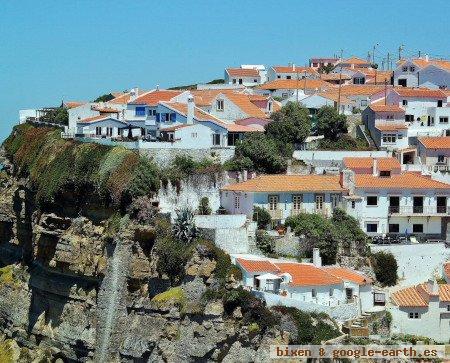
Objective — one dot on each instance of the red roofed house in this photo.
(422, 310)
(433, 73)
(246, 76)
(434, 152)
(308, 286)
(291, 72)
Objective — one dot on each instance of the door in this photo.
(349, 294)
(335, 200)
(394, 204)
(402, 82)
(418, 205)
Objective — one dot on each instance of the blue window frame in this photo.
(158, 117)
(140, 111)
(173, 117)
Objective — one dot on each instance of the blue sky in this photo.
(77, 50)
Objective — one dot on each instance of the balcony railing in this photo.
(411, 210)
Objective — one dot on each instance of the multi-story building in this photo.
(243, 76)
(383, 201)
(415, 72)
(434, 152)
(291, 72)
(318, 63)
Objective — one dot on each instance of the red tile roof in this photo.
(257, 265)
(153, 97)
(395, 127)
(294, 69)
(444, 293)
(307, 275)
(73, 104)
(442, 142)
(94, 118)
(288, 183)
(409, 297)
(349, 275)
(244, 103)
(419, 92)
(355, 60)
(398, 181)
(360, 89)
(381, 107)
(386, 163)
(243, 72)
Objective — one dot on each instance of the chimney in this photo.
(190, 110)
(293, 67)
(134, 93)
(157, 87)
(317, 260)
(348, 180)
(426, 57)
(375, 167)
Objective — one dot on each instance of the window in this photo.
(372, 200)
(414, 316)
(443, 120)
(320, 199)
(394, 228)
(405, 69)
(363, 103)
(412, 69)
(255, 80)
(98, 130)
(359, 80)
(270, 106)
(409, 118)
(371, 227)
(331, 292)
(278, 76)
(240, 80)
(288, 77)
(234, 80)
(389, 138)
(441, 159)
(314, 293)
(417, 228)
(237, 202)
(385, 173)
(194, 135)
(448, 307)
(405, 102)
(216, 139)
(297, 201)
(353, 204)
(439, 103)
(109, 131)
(273, 202)
(219, 105)
(140, 111)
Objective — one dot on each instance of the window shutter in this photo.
(158, 117)
(173, 117)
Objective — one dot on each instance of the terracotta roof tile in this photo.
(419, 92)
(409, 297)
(395, 127)
(404, 181)
(307, 275)
(243, 72)
(349, 275)
(334, 77)
(442, 142)
(257, 265)
(73, 104)
(444, 293)
(294, 69)
(153, 97)
(377, 107)
(288, 183)
(94, 118)
(360, 89)
(422, 63)
(386, 163)
(244, 103)
(296, 84)
(355, 60)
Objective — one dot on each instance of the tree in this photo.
(385, 267)
(290, 125)
(262, 217)
(203, 207)
(326, 69)
(263, 151)
(331, 124)
(104, 98)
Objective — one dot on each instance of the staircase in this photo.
(361, 131)
(111, 306)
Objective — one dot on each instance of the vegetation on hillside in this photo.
(57, 115)
(330, 123)
(114, 175)
(341, 232)
(104, 98)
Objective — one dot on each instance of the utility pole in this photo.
(419, 53)
(339, 91)
(296, 70)
(400, 49)
(373, 53)
(388, 61)
(385, 92)
(342, 52)
(382, 63)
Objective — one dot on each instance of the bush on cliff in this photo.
(113, 174)
(385, 267)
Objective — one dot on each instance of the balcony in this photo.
(419, 210)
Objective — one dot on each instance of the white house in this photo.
(284, 88)
(434, 152)
(315, 101)
(422, 310)
(422, 71)
(243, 76)
(318, 62)
(102, 126)
(307, 283)
(291, 72)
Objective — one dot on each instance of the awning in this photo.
(268, 276)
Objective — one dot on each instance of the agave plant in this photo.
(184, 227)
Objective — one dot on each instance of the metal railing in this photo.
(409, 210)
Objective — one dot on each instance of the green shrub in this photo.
(262, 217)
(184, 228)
(203, 207)
(345, 142)
(265, 243)
(385, 267)
(174, 295)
